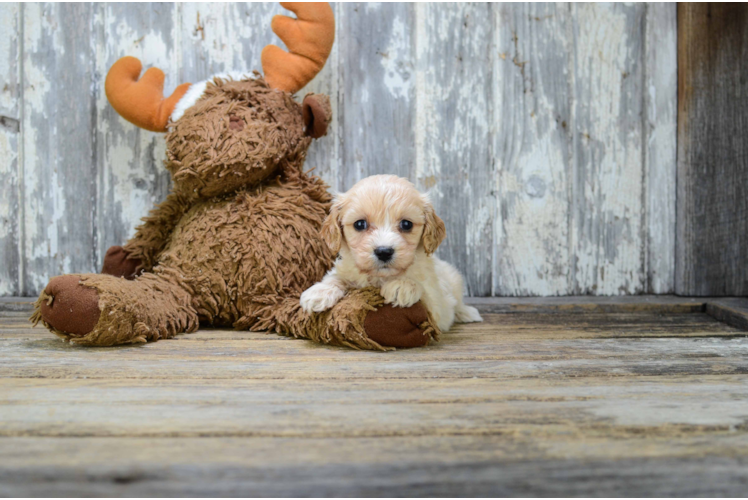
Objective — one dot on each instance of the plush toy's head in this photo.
(238, 133)
(235, 130)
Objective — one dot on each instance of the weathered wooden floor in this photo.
(547, 397)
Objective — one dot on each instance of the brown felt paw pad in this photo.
(397, 326)
(70, 306)
(117, 263)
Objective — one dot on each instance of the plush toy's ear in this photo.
(434, 230)
(332, 233)
(317, 114)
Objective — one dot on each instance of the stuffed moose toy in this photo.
(237, 240)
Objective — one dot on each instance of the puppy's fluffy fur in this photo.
(385, 233)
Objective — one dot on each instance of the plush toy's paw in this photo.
(320, 297)
(401, 292)
(397, 326)
(69, 306)
(117, 263)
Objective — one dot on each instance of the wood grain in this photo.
(503, 465)
(377, 109)
(129, 161)
(371, 408)
(545, 132)
(506, 346)
(223, 37)
(732, 311)
(660, 134)
(532, 150)
(561, 404)
(453, 127)
(10, 119)
(712, 225)
(656, 304)
(608, 144)
(324, 153)
(59, 170)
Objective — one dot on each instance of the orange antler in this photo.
(141, 101)
(309, 39)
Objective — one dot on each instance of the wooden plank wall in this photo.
(545, 132)
(10, 167)
(712, 149)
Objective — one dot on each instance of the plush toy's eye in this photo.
(360, 225)
(406, 225)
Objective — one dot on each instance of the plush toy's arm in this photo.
(152, 236)
(359, 320)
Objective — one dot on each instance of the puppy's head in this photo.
(383, 220)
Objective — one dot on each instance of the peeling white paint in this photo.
(660, 161)
(9, 59)
(531, 252)
(8, 158)
(220, 34)
(150, 47)
(422, 116)
(536, 174)
(534, 229)
(131, 162)
(36, 88)
(397, 73)
(480, 217)
(221, 37)
(609, 151)
(324, 153)
(9, 150)
(452, 133)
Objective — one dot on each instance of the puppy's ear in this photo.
(434, 230)
(331, 231)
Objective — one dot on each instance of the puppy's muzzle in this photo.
(384, 254)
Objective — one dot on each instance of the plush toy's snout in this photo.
(236, 123)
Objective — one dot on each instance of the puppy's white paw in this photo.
(401, 293)
(320, 297)
(467, 314)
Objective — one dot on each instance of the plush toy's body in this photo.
(238, 239)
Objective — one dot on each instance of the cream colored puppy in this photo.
(385, 233)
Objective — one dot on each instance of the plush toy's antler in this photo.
(309, 39)
(141, 101)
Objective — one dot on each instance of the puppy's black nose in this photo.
(384, 253)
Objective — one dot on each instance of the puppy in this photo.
(385, 233)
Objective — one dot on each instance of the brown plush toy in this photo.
(238, 239)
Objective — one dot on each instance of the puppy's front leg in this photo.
(401, 292)
(323, 295)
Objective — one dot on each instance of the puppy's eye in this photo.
(406, 225)
(360, 225)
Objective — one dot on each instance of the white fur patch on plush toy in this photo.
(197, 89)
